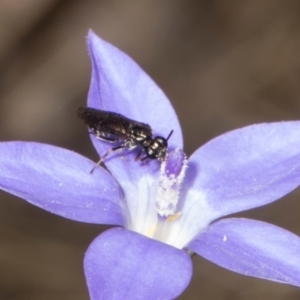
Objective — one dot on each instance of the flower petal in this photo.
(244, 168)
(119, 85)
(59, 181)
(251, 248)
(121, 264)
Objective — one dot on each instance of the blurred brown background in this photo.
(223, 64)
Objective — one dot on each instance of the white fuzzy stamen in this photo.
(167, 195)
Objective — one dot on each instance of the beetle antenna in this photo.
(170, 134)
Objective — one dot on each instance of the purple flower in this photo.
(161, 210)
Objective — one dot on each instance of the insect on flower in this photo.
(115, 128)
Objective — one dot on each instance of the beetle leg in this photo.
(144, 158)
(138, 157)
(102, 158)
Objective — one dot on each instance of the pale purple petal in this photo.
(121, 264)
(59, 181)
(118, 84)
(251, 248)
(244, 168)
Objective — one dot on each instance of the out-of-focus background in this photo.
(223, 64)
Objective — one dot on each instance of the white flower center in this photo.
(157, 210)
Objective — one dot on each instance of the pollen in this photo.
(151, 231)
(174, 217)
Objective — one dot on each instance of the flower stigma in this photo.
(172, 173)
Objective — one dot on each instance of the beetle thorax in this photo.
(142, 136)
